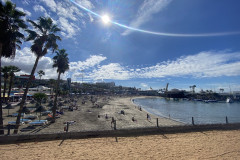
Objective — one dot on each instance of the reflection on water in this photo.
(183, 110)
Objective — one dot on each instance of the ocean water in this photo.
(184, 110)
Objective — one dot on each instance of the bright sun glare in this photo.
(106, 19)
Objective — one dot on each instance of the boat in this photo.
(229, 100)
(210, 101)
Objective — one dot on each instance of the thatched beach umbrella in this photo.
(37, 105)
(25, 110)
(9, 106)
(60, 104)
(50, 104)
(40, 109)
(32, 101)
(20, 104)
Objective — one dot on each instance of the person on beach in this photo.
(112, 122)
(133, 119)
(148, 117)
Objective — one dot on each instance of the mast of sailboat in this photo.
(230, 90)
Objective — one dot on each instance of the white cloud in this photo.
(145, 12)
(88, 63)
(39, 8)
(85, 3)
(68, 29)
(204, 64)
(144, 86)
(80, 68)
(69, 15)
(51, 4)
(25, 60)
(111, 71)
(201, 65)
(27, 2)
(25, 11)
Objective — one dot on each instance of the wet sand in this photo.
(196, 145)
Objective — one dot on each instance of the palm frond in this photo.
(46, 23)
(31, 35)
(55, 29)
(18, 13)
(61, 61)
(35, 25)
(20, 23)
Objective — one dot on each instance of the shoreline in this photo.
(132, 110)
(175, 120)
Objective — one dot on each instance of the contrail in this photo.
(159, 33)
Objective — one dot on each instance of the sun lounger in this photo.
(43, 120)
(16, 114)
(30, 116)
(64, 107)
(26, 120)
(38, 122)
(14, 123)
(46, 113)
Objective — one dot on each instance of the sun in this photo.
(106, 19)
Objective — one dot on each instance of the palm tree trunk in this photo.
(4, 88)
(1, 118)
(55, 99)
(25, 95)
(10, 86)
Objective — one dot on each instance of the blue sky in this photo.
(108, 52)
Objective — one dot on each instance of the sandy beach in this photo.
(89, 116)
(198, 145)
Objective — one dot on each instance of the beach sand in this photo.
(89, 117)
(197, 145)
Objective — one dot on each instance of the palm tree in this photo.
(61, 62)
(5, 71)
(13, 69)
(193, 87)
(41, 73)
(10, 38)
(221, 90)
(52, 82)
(43, 38)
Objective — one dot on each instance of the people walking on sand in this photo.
(133, 119)
(148, 117)
(112, 122)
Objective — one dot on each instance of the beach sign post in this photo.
(226, 120)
